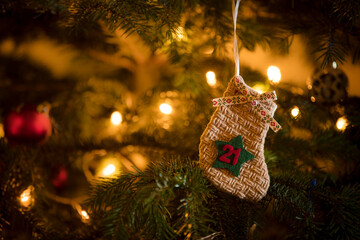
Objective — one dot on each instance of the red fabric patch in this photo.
(231, 151)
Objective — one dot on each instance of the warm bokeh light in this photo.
(109, 169)
(2, 134)
(341, 123)
(84, 215)
(165, 108)
(259, 88)
(26, 198)
(180, 33)
(274, 74)
(116, 118)
(334, 65)
(139, 160)
(295, 111)
(312, 98)
(211, 78)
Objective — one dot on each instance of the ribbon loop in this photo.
(235, 10)
(232, 100)
(265, 116)
(245, 96)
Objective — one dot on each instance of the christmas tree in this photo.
(103, 105)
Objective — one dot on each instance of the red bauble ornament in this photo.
(27, 126)
(59, 178)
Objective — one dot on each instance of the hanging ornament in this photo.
(27, 126)
(59, 177)
(328, 86)
(243, 115)
(231, 149)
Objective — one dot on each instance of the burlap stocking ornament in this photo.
(240, 112)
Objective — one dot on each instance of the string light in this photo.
(2, 133)
(85, 215)
(259, 88)
(341, 123)
(109, 167)
(165, 108)
(211, 78)
(334, 65)
(116, 118)
(295, 111)
(180, 33)
(109, 170)
(26, 198)
(274, 74)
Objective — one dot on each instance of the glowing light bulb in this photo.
(341, 123)
(165, 108)
(211, 78)
(26, 198)
(109, 169)
(84, 215)
(295, 111)
(116, 118)
(334, 65)
(180, 33)
(260, 88)
(274, 74)
(2, 133)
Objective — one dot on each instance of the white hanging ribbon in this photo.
(245, 96)
(235, 10)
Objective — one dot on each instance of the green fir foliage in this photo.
(165, 201)
(171, 198)
(332, 35)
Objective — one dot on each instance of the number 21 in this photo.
(236, 152)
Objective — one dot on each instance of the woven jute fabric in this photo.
(226, 123)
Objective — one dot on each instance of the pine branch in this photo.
(324, 211)
(164, 201)
(331, 33)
